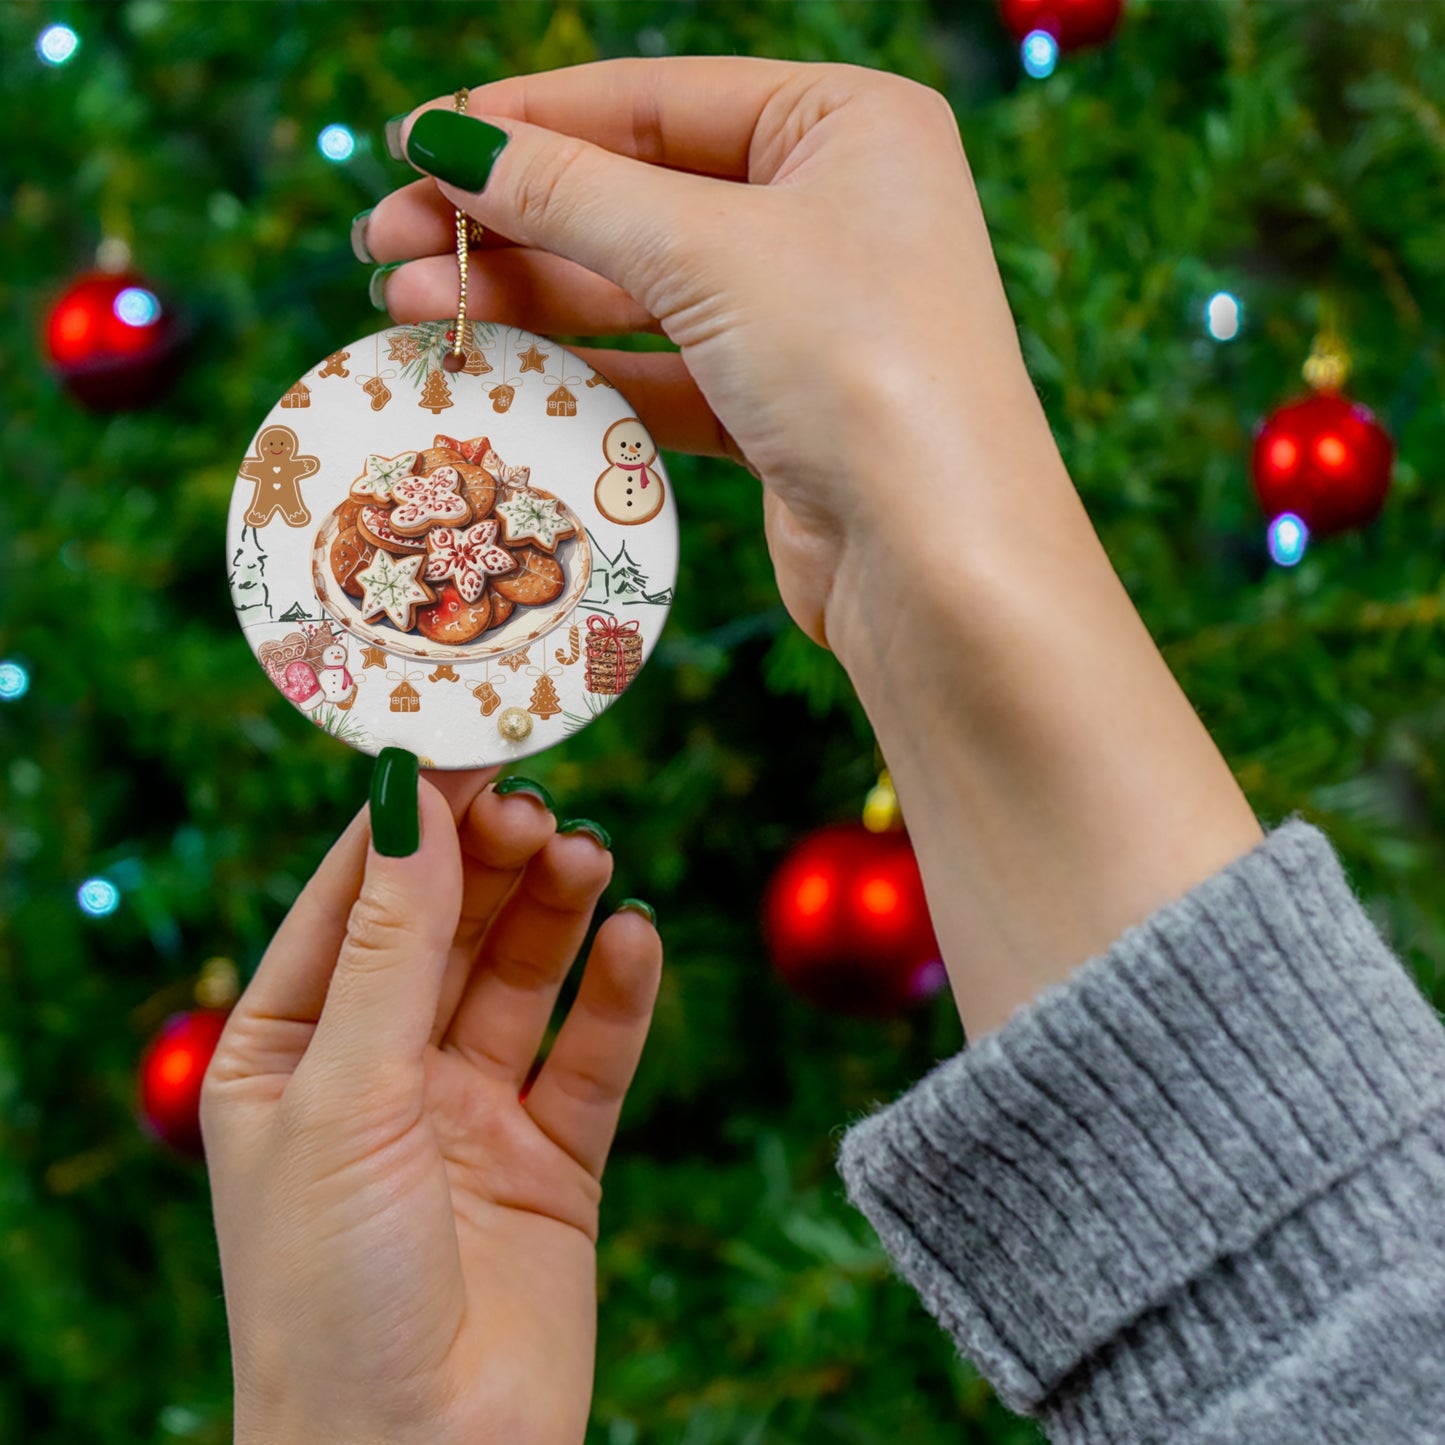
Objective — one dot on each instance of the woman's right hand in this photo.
(842, 325)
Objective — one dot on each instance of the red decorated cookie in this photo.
(374, 525)
(453, 620)
(431, 501)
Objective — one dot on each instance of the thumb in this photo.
(382, 999)
(633, 223)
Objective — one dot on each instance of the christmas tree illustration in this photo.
(544, 698)
(436, 395)
(248, 580)
(619, 580)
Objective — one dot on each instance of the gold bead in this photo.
(514, 723)
(880, 809)
(218, 985)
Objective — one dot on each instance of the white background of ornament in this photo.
(566, 458)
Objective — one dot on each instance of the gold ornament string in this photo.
(469, 232)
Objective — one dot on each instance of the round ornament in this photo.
(172, 1070)
(1325, 459)
(847, 923)
(111, 340)
(413, 545)
(1072, 23)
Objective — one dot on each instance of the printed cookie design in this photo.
(502, 608)
(629, 491)
(374, 526)
(430, 501)
(479, 487)
(381, 474)
(530, 518)
(390, 587)
(454, 620)
(349, 555)
(467, 557)
(473, 451)
(509, 478)
(431, 458)
(277, 470)
(537, 578)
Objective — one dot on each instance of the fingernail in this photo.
(636, 905)
(393, 136)
(359, 248)
(455, 148)
(525, 785)
(395, 824)
(376, 287)
(586, 825)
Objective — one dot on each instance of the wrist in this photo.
(1057, 784)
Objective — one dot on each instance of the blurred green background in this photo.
(1288, 153)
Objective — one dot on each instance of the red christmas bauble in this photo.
(847, 923)
(111, 340)
(1324, 458)
(1073, 23)
(171, 1071)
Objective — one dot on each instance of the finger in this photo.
(517, 287)
(500, 835)
(504, 1010)
(618, 217)
(416, 220)
(382, 997)
(460, 788)
(272, 1022)
(577, 1098)
(689, 113)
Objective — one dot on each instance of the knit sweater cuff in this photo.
(1216, 1074)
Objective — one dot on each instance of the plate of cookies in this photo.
(447, 552)
(457, 539)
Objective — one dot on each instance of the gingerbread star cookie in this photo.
(529, 518)
(392, 588)
(381, 474)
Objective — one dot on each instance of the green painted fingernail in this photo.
(586, 825)
(376, 288)
(392, 131)
(525, 785)
(359, 248)
(636, 905)
(395, 824)
(455, 148)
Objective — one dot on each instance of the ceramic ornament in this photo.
(470, 562)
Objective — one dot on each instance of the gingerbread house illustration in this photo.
(561, 403)
(405, 698)
(299, 395)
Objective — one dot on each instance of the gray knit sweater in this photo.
(1197, 1191)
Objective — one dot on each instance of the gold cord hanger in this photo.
(469, 232)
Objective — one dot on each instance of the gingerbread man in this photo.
(277, 469)
(334, 366)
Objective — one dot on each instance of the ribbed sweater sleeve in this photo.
(1196, 1192)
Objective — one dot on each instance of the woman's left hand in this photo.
(407, 1244)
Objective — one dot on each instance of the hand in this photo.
(810, 237)
(817, 308)
(407, 1247)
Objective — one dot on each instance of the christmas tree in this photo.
(544, 698)
(436, 395)
(625, 577)
(1274, 153)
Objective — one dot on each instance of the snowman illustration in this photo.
(629, 491)
(337, 685)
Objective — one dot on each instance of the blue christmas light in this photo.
(336, 143)
(1040, 53)
(14, 681)
(98, 897)
(1223, 316)
(137, 307)
(57, 44)
(1288, 538)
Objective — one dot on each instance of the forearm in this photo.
(1057, 784)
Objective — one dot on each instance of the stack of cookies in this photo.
(448, 541)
